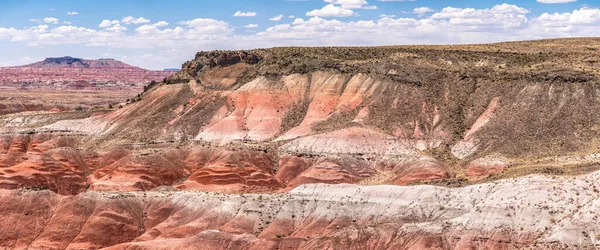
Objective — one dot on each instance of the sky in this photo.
(157, 34)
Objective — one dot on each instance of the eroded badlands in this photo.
(407, 147)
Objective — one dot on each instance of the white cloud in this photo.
(556, 1)
(117, 28)
(107, 23)
(582, 17)
(161, 24)
(502, 22)
(133, 20)
(509, 8)
(40, 28)
(50, 20)
(72, 13)
(206, 24)
(244, 14)
(422, 10)
(352, 4)
(349, 4)
(251, 26)
(297, 21)
(500, 17)
(45, 20)
(291, 17)
(276, 18)
(331, 11)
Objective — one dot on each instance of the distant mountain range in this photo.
(67, 72)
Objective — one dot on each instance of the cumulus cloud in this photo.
(331, 10)
(556, 1)
(349, 4)
(117, 28)
(449, 25)
(251, 26)
(161, 24)
(107, 23)
(72, 13)
(206, 24)
(352, 4)
(276, 18)
(51, 20)
(581, 17)
(244, 14)
(133, 20)
(500, 17)
(502, 22)
(422, 10)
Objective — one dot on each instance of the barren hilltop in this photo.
(404, 147)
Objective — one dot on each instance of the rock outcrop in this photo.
(528, 212)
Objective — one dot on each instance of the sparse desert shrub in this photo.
(150, 86)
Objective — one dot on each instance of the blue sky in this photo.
(162, 34)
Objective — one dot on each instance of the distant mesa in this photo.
(62, 72)
(67, 60)
(72, 62)
(171, 69)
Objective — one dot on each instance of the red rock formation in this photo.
(333, 171)
(96, 160)
(275, 128)
(292, 166)
(15, 149)
(487, 165)
(58, 222)
(309, 217)
(234, 172)
(45, 160)
(60, 170)
(424, 169)
(68, 72)
(49, 161)
(138, 173)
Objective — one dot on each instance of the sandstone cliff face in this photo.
(318, 148)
